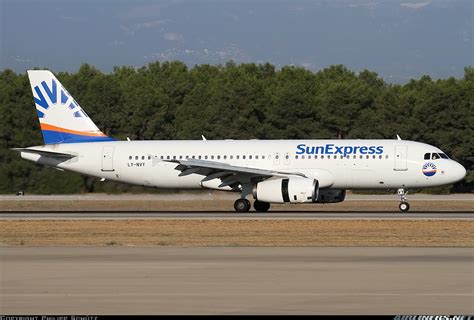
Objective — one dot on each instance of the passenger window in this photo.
(181, 157)
(427, 156)
(212, 157)
(130, 158)
(136, 157)
(256, 157)
(243, 157)
(199, 157)
(309, 157)
(250, 157)
(302, 157)
(205, 157)
(237, 157)
(315, 157)
(149, 157)
(263, 157)
(322, 156)
(218, 157)
(231, 157)
(225, 157)
(296, 157)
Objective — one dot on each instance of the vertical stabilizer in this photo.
(61, 118)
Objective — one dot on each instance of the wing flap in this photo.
(228, 174)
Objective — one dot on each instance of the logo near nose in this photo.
(429, 169)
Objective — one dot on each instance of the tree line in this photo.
(168, 100)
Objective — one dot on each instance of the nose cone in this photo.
(457, 172)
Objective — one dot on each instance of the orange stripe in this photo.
(45, 126)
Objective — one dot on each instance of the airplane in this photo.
(270, 171)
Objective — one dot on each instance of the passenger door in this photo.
(108, 159)
(400, 158)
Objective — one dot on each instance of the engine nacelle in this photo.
(331, 196)
(293, 190)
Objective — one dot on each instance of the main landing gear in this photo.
(404, 206)
(243, 205)
(261, 206)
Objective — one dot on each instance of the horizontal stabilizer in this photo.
(50, 154)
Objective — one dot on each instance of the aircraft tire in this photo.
(242, 205)
(261, 206)
(404, 206)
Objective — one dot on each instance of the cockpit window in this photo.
(434, 156)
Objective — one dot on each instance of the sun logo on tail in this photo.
(43, 104)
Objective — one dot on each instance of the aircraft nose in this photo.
(458, 172)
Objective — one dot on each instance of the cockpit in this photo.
(434, 156)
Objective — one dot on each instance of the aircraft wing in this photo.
(229, 175)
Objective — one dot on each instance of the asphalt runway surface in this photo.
(236, 280)
(231, 215)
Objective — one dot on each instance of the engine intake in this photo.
(292, 190)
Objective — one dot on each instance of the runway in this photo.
(231, 215)
(141, 280)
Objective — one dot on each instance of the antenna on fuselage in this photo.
(203, 137)
(398, 137)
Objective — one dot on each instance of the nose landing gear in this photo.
(404, 206)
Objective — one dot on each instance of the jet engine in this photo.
(331, 195)
(293, 190)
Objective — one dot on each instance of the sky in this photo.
(398, 39)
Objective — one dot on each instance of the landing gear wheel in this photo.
(261, 206)
(242, 205)
(404, 206)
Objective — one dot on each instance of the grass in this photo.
(235, 233)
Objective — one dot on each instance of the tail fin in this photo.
(61, 118)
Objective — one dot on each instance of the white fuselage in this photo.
(337, 164)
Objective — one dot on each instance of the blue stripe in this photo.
(53, 137)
